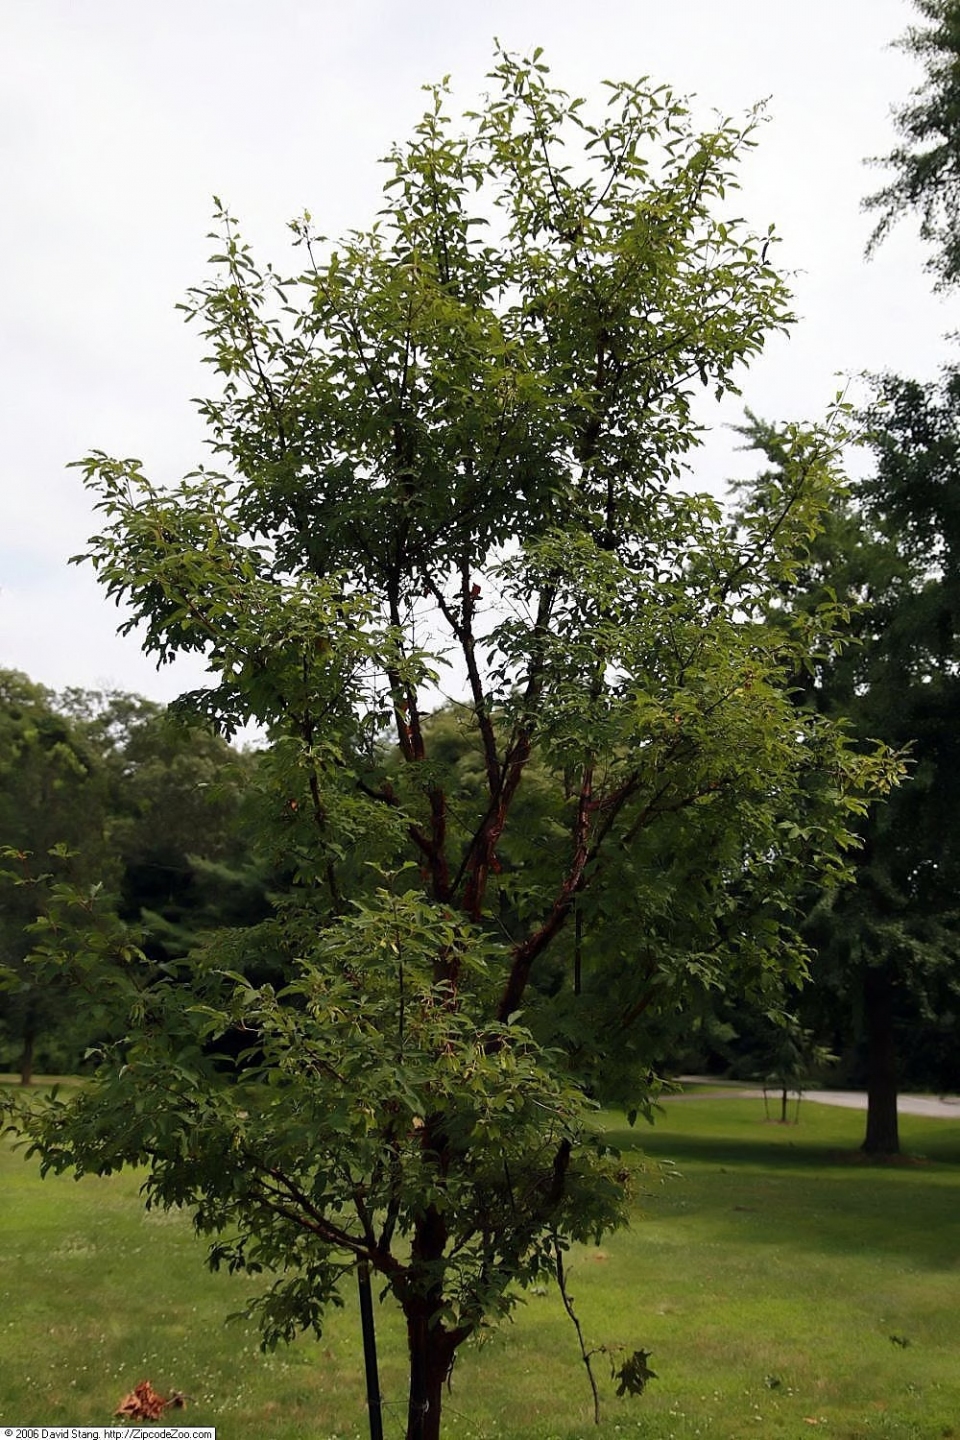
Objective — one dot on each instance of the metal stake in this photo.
(370, 1351)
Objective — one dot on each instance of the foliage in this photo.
(455, 439)
(177, 823)
(913, 918)
(927, 164)
(793, 1058)
(53, 806)
(106, 791)
(888, 947)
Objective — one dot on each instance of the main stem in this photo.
(431, 1355)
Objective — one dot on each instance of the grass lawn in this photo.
(783, 1288)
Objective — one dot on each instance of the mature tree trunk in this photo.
(431, 1346)
(883, 1136)
(431, 1355)
(26, 1057)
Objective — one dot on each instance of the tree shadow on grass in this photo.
(776, 1187)
(744, 1136)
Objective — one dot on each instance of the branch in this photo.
(584, 859)
(525, 953)
(350, 323)
(284, 1194)
(413, 749)
(319, 811)
(463, 632)
(272, 404)
(585, 1354)
(481, 851)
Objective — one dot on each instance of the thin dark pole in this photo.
(370, 1351)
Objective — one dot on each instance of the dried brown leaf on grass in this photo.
(143, 1403)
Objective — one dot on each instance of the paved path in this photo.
(945, 1107)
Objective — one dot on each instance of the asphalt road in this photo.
(944, 1107)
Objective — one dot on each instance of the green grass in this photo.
(767, 1275)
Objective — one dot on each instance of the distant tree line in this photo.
(109, 790)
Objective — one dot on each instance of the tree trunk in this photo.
(431, 1355)
(431, 1346)
(26, 1058)
(883, 1135)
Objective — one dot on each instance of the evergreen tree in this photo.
(888, 948)
(926, 165)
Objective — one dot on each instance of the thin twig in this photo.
(585, 1354)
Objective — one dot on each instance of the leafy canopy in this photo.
(453, 441)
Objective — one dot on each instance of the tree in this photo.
(459, 435)
(107, 787)
(910, 700)
(53, 804)
(927, 164)
(916, 451)
(178, 793)
(888, 947)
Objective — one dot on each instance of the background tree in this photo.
(53, 811)
(108, 788)
(895, 548)
(914, 432)
(457, 437)
(927, 165)
(888, 948)
(178, 794)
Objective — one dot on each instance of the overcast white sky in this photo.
(119, 120)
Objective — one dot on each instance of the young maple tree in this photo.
(455, 440)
